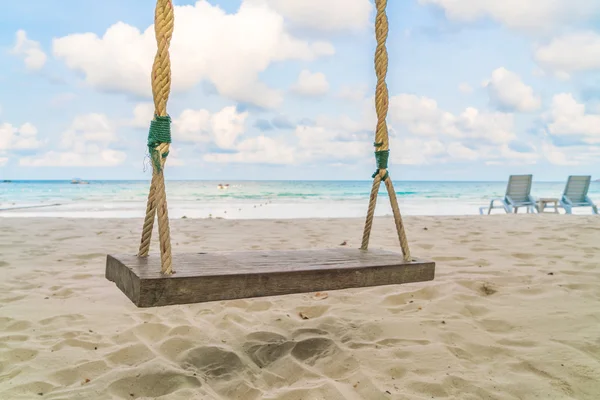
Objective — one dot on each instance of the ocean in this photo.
(254, 199)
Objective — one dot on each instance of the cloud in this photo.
(420, 133)
(30, 50)
(263, 124)
(21, 138)
(282, 122)
(421, 116)
(198, 126)
(3, 161)
(311, 84)
(257, 150)
(84, 144)
(352, 93)
(226, 39)
(573, 52)
(567, 117)
(531, 15)
(570, 156)
(331, 15)
(465, 88)
(62, 99)
(508, 93)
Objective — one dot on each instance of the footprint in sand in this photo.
(152, 332)
(299, 334)
(17, 356)
(311, 312)
(30, 388)
(484, 288)
(12, 299)
(310, 350)
(82, 344)
(173, 346)
(16, 326)
(131, 355)
(14, 338)
(213, 362)
(264, 348)
(152, 385)
(63, 320)
(87, 370)
(496, 326)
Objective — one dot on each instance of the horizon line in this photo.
(267, 180)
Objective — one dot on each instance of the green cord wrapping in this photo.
(160, 132)
(381, 156)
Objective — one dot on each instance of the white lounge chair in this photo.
(576, 194)
(518, 194)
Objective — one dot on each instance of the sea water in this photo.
(254, 199)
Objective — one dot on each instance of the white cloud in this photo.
(508, 92)
(352, 93)
(226, 49)
(520, 14)
(174, 159)
(21, 138)
(198, 126)
(422, 116)
(430, 136)
(193, 126)
(30, 50)
(569, 53)
(465, 88)
(556, 156)
(142, 115)
(330, 15)
(572, 155)
(84, 144)
(257, 150)
(311, 84)
(62, 99)
(3, 161)
(567, 117)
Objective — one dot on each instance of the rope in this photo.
(382, 137)
(159, 137)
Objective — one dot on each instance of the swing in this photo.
(150, 281)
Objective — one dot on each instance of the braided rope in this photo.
(381, 135)
(161, 87)
(370, 212)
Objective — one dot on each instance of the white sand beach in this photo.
(513, 313)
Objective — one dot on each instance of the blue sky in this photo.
(282, 89)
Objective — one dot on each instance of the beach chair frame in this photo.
(581, 185)
(518, 186)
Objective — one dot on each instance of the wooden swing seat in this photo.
(204, 277)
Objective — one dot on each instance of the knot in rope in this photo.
(160, 132)
(382, 157)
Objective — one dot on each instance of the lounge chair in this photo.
(576, 194)
(518, 194)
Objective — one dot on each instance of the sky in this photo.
(284, 89)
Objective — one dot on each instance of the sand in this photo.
(514, 313)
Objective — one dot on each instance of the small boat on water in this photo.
(223, 186)
(77, 181)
